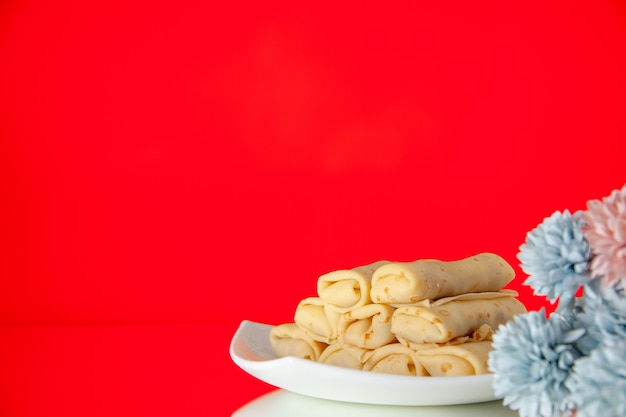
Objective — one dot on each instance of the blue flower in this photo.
(613, 298)
(556, 256)
(531, 359)
(598, 382)
(603, 314)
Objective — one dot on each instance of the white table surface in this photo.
(281, 403)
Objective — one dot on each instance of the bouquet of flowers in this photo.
(571, 362)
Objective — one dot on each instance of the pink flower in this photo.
(605, 230)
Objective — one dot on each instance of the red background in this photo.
(168, 169)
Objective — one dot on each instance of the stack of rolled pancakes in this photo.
(425, 318)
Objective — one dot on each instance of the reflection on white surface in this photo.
(281, 403)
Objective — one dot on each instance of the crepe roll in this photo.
(347, 289)
(446, 319)
(342, 355)
(318, 320)
(484, 333)
(410, 282)
(288, 339)
(456, 360)
(395, 358)
(367, 327)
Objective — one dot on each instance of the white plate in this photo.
(250, 349)
(281, 403)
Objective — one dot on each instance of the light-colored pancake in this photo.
(456, 360)
(483, 333)
(343, 355)
(395, 358)
(367, 327)
(317, 319)
(453, 317)
(347, 289)
(288, 339)
(410, 282)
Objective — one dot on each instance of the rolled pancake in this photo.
(288, 339)
(347, 289)
(343, 355)
(317, 319)
(456, 360)
(410, 282)
(484, 333)
(448, 318)
(367, 327)
(395, 358)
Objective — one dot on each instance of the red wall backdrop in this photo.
(182, 162)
